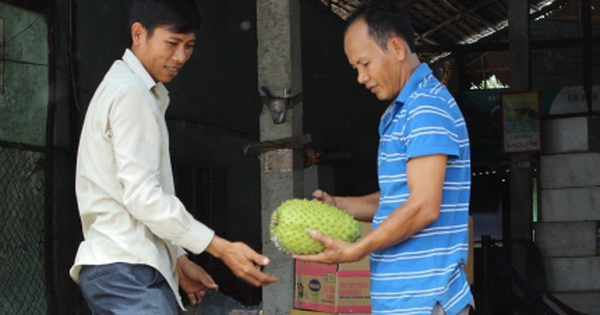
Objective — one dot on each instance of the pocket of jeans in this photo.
(147, 276)
(91, 273)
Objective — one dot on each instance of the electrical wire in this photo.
(22, 31)
(70, 59)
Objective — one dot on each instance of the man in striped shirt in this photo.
(418, 244)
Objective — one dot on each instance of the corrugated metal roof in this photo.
(441, 25)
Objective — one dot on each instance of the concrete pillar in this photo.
(570, 170)
(518, 28)
(279, 68)
(567, 239)
(521, 175)
(566, 135)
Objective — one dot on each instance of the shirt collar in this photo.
(138, 68)
(414, 80)
(411, 85)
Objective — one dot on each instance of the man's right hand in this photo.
(324, 197)
(243, 261)
(362, 208)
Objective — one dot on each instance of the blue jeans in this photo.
(126, 289)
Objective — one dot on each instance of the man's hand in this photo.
(243, 261)
(362, 208)
(336, 251)
(324, 197)
(193, 279)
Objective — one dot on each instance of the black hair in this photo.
(385, 19)
(179, 16)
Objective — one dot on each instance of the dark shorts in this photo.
(438, 310)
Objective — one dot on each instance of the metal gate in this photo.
(23, 229)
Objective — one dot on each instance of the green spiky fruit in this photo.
(292, 219)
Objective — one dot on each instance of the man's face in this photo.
(379, 70)
(164, 53)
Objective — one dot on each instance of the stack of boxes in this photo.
(567, 232)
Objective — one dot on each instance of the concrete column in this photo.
(521, 176)
(279, 68)
(518, 28)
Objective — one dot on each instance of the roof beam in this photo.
(406, 3)
(503, 46)
(458, 16)
(533, 16)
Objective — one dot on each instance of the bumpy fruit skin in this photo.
(292, 219)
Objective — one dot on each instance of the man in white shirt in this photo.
(132, 259)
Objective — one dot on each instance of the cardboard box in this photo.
(303, 312)
(337, 288)
(332, 288)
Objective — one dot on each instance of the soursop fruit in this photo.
(291, 220)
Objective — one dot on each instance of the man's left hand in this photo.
(336, 251)
(194, 280)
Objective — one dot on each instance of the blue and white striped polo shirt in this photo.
(409, 278)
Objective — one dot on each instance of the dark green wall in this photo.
(340, 114)
(214, 107)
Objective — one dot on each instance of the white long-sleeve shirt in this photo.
(124, 182)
